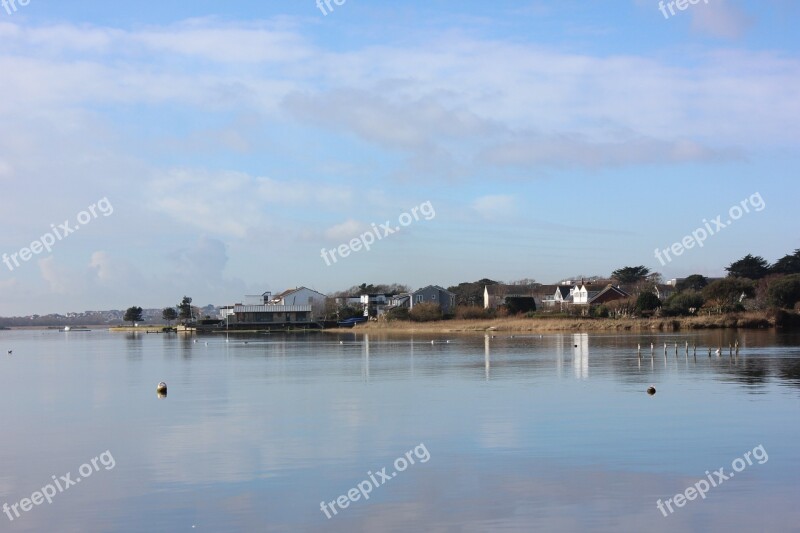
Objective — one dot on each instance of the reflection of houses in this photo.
(445, 299)
(580, 355)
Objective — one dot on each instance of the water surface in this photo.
(523, 433)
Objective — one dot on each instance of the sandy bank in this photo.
(749, 320)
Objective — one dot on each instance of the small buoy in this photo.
(162, 388)
(341, 342)
(432, 342)
(651, 390)
(206, 343)
(448, 342)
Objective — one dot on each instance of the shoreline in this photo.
(748, 320)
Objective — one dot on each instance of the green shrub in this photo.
(647, 301)
(687, 302)
(784, 292)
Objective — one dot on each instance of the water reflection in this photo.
(580, 355)
(526, 432)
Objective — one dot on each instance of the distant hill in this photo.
(90, 318)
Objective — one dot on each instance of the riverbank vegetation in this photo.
(540, 323)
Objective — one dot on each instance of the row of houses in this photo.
(376, 305)
(304, 306)
(555, 296)
(567, 293)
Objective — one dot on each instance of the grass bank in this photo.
(748, 320)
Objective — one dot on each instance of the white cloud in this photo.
(573, 150)
(344, 231)
(6, 171)
(58, 278)
(495, 206)
(225, 43)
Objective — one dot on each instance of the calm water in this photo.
(520, 434)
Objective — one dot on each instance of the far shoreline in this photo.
(779, 320)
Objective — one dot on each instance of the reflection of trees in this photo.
(749, 372)
(134, 342)
(789, 370)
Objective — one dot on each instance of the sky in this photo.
(151, 150)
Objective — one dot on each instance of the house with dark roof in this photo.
(445, 299)
(561, 296)
(609, 294)
(495, 295)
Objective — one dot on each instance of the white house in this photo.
(562, 295)
(302, 296)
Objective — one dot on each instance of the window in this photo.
(433, 297)
(419, 298)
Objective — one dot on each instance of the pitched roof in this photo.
(501, 289)
(564, 290)
(545, 289)
(609, 288)
(287, 292)
(434, 287)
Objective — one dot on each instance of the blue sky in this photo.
(236, 140)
